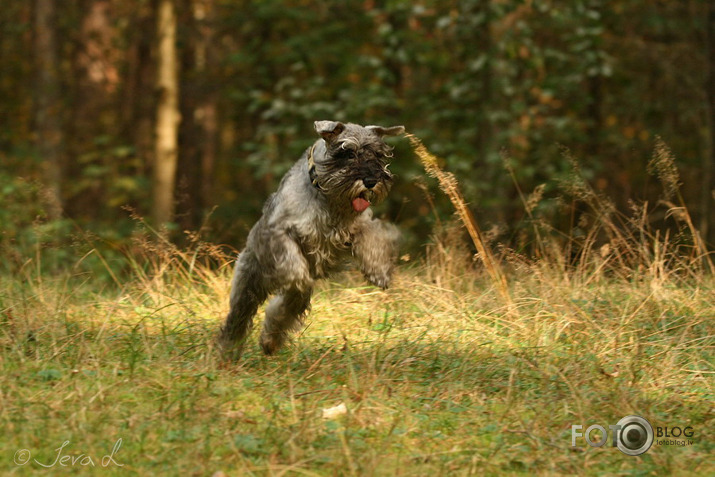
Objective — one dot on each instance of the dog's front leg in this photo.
(375, 245)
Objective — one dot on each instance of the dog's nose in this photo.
(369, 182)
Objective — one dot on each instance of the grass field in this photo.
(463, 367)
(440, 375)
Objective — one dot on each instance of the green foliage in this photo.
(473, 79)
(477, 81)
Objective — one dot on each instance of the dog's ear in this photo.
(329, 130)
(391, 131)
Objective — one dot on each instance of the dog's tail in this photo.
(247, 294)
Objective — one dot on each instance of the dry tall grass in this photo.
(443, 374)
(449, 185)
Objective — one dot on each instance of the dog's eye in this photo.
(346, 154)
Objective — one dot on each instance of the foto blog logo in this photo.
(633, 435)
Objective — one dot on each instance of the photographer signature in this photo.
(23, 456)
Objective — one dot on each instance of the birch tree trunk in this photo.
(167, 115)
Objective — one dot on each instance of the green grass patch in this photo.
(432, 377)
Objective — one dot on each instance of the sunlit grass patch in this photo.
(455, 370)
(431, 379)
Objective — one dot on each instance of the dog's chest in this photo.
(325, 248)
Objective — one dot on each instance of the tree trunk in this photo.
(167, 115)
(92, 94)
(47, 105)
(707, 218)
(188, 172)
(209, 108)
(209, 123)
(199, 98)
(139, 108)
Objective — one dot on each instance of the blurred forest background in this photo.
(187, 112)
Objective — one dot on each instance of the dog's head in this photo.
(351, 163)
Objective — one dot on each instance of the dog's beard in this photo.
(362, 197)
(353, 194)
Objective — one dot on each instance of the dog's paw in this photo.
(379, 280)
(229, 351)
(271, 343)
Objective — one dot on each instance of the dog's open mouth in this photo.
(361, 202)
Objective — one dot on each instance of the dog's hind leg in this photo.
(247, 294)
(284, 314)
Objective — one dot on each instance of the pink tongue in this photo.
(360, 204)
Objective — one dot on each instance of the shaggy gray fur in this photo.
(316, 219)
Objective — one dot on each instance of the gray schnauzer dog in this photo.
(318, 217)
